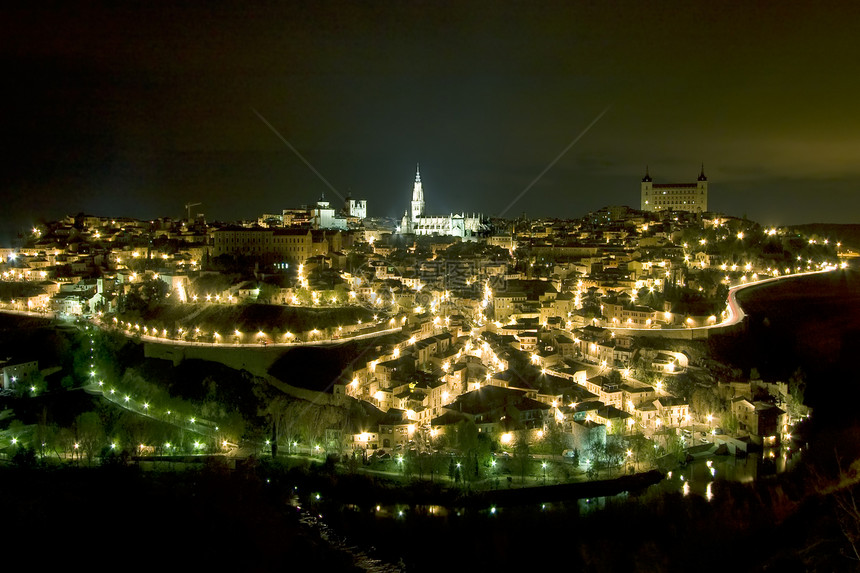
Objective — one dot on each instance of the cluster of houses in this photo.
(565, 298)
(425, 386)
(421, 390)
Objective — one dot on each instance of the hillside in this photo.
(247, 318)
(848, 234)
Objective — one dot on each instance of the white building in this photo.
(324, 216)
(21, 373)
(692, 197)
(356, 208)
(456, 225)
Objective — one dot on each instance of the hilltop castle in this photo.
(692, 197)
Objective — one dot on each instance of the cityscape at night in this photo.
(421, 286)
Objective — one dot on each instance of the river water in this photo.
(811, 323)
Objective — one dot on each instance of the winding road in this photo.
(736, 314)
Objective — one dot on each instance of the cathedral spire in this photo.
(702, 174)
(417, 196)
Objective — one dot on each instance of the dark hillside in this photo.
(847, 234)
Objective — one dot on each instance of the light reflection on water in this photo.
(698, 476)
(695, 478)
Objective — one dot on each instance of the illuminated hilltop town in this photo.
(570, 337)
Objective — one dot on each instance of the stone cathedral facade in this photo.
(418, 223)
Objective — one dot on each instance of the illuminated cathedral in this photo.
(418, 223)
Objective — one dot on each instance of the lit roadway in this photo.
(257, 344)
(736, 314)
(268, 344)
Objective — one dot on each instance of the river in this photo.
(811, 323)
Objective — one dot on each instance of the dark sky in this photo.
(136, 110)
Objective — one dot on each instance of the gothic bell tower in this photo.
(417, 197)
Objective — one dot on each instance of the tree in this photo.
(346, 419)
(639, 446)
(68, 382)
(133, 431)
(674, 445)
(315, 420)
(595, 452)
(556, 439)
(276, 410)
(729, 422)
(153, 291)
(841, 490)
(90, 434)
(681, 385)
(282, 414)
(796, 391)
(615, 452)
(522, 459)
(267, 293)
(25, 458)
(64, 441)
(353, 462)
(704, 401)
(410, 464)
(43, 433)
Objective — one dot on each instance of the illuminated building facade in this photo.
(456, 225)
(692, 197)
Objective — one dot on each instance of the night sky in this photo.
(136, 110)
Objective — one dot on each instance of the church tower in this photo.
(417, 197)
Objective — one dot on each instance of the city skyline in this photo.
(139, 111)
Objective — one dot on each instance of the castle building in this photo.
(269, 245)
(692, 197)
(456, 225)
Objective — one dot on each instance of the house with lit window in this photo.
(764, 421)
(662, 412)
(674, 411)
(396, 430)
(615, 420)
(507, 408)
